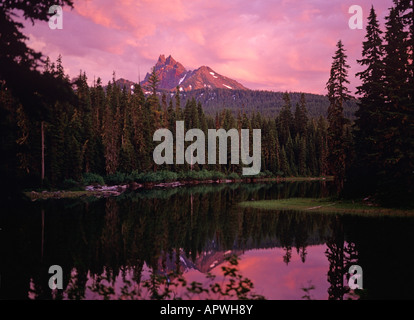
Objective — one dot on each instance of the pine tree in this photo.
(246, 124)
(285, 119)
(278, 156)
(153, 100)
(127, 157)
(164, 114)
(97, 148)
(191, 115)
(203, 126)
(273, 145)
(62, 134)
(266, 145)
(111, 129)
(291, 157)
(363, 174)
(202, 118)
(338, 93)
(406, 10)
(57, 146)
(301, 116)
(138, 116)
(148, 128)
(74, 156)
(171, 117)
(178, 113)
(302, 168)
(23, 137)
(284, 164)
(322, 146)
(397, 160)
(311, 141)
(85, 110)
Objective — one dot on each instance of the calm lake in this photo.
(106, 245)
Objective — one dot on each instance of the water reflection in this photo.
(107, 247)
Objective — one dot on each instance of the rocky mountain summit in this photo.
(172, 74)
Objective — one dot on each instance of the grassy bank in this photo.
(327, 206)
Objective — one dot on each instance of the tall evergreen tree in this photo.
(171, 117)
(322, 147)
(274, 152)
(406, 10)
(85, 110)
(75, 152)
(290, 153)
(111, 129)
(164, 114)
(397, 160)
(153, 100)
(284, 164)
(367, 132)
(338, 93)
(285, 119)
(97, 103)
(57, 146)
(191, 114)
(302, 168)
(178, 114)
(301, 116)
(127, 153)
(311, 148)
(139, 116)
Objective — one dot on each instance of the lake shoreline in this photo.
(329, 206)
(116, 190)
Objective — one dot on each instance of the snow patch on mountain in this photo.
(182, 79)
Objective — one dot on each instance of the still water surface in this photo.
(192, 230)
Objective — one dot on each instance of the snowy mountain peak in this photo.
(172, 74)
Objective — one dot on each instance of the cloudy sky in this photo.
(264, 44)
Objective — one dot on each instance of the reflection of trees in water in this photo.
(341, 255)
(301, 236)
(111, 241)
(120, 236)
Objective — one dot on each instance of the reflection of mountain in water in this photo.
(205, 261)
(214, 254)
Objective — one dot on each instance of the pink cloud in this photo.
(273, 45)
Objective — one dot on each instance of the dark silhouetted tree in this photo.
(338, 93)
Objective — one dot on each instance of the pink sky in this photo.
(264, 44)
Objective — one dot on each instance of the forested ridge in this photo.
(268, 103)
